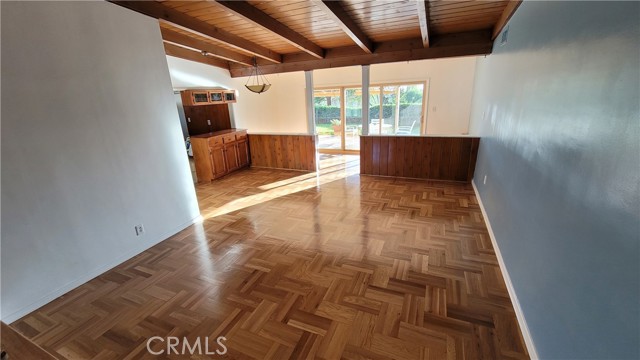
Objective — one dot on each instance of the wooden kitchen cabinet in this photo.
(216, 97)
(195, 97)
(229, 96)
(231, 156)
(218, 163)
(201, 97)
(207, 110)
(243, 152)
(218, 153)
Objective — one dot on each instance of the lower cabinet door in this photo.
(243, 153)
(218, 161)
(231, 156)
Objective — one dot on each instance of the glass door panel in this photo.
(390, 112)
(328, 118)
(353, 116)
(411, 100)
(374, 110)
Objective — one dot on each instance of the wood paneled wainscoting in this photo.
(284, 151)
(422, 157)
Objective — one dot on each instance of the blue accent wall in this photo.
(558, 109)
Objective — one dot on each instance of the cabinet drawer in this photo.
(215, 141)
(241, 135)
(229, 138)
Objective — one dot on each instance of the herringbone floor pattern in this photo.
(288, 265)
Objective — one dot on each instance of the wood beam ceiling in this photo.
(180, 52)
(451, 45)
(336, 11)
(178, 19)
(423, 17)
(511, 8)
(216, 51)
(260, 18)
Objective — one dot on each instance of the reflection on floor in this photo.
(352, 141)
(214, 202)
(293, 265)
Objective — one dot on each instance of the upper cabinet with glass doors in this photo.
(207, 97)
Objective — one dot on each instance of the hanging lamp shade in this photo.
(257, 82)
(258, 88)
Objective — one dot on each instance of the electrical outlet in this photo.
(209, 122)
(189, 119)
(484, 182)
(139, 229)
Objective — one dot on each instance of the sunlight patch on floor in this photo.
(332, 171)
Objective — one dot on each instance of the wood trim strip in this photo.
(199, 45)
(180, 52)
(508, 12)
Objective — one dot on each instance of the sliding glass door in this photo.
(394, 109)
(328, 113)
(353, 118)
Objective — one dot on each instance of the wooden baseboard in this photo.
(512, 292)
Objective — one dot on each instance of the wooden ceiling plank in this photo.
(180, 52)
(478, 9)
(178, 19)
(511, 8)
(274, 7)
(337, 13)
(258, 17)
(423, 16)
(216, 51)
(436, 6)
(464, 44)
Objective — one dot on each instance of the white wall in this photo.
(91, 146)
(450, 87)
(282, 108)
(279, 110)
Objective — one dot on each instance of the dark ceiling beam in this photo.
(335, 10)
(423, 18)
(213, 50)
(511, 8)
(473, 43)
(183, 21)
(180, 52)
(258, 17)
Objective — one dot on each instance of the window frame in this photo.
(381, 85)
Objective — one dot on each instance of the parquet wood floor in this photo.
(288, 265)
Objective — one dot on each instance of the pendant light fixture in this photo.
(257, 82)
